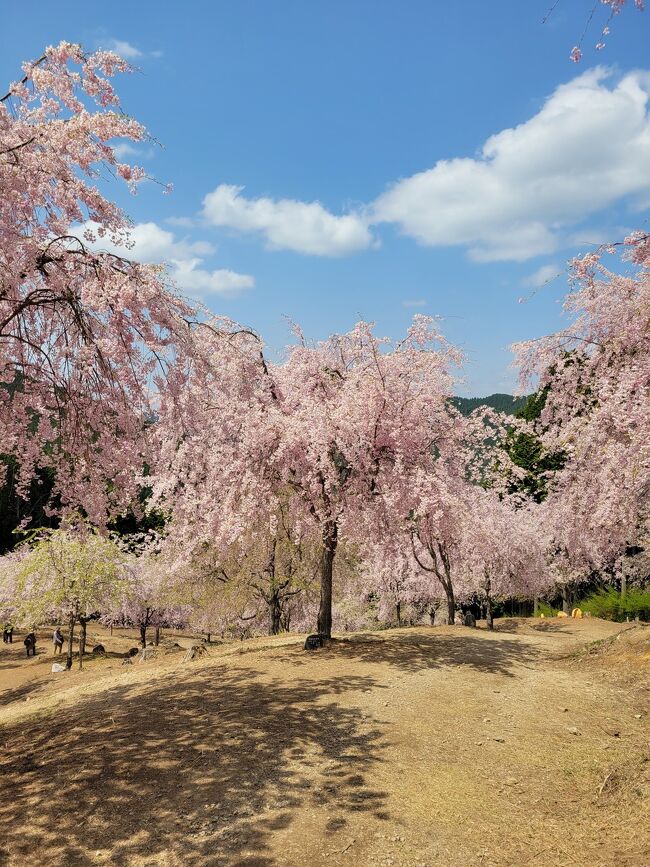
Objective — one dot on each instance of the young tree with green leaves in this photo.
(65, 574)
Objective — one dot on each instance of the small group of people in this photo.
(57, 641)
(30, 639)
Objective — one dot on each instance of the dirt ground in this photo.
(445, 746)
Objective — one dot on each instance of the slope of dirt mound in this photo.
(405, 748)
(626, 654)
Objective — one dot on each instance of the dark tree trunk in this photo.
(111, 632)
(566, 602)
(275, 614)
(398, 609)
(447, 583)
(156, 639)
(432, 616)
(71, 623)
(143, 634)
(330, 538)
(489, 617)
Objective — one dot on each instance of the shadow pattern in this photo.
(419, 651)
(202, 770)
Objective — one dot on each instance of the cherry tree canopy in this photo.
(336, 429)
(597, 411)
(87, 338)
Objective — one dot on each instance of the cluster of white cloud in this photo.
(586, 149)
(525, 194)
(148, 242)
(127, 50)
(542, 276)
(305, 227)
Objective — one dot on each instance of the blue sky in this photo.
(366, 158)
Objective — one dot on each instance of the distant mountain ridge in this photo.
(506, 403)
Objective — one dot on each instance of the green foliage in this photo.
(526, 451)
(505, 403)
(609, 604)
(546, 610)
(533, 405)
(65, 569)
(29, 511)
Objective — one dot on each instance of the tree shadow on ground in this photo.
(420, 651)
(562, 625)
(20, 693)
(200, 769)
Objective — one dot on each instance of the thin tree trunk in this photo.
(432, 616)
(71, 622)
(111, 632)
(535, 606)
(82, 641)
(330, 538)
(623, 578)
(143, 634)
(489, 616)
(156, 640)
(398, 608)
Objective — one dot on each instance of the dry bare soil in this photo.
(445, 746)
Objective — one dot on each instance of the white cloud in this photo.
(414, 302)
(181, 222)
(542, 276)
(587, 148)
(124, 49)
(148, 242)
(197, 281)
(305, 227)
(129, 51)
(124, 149)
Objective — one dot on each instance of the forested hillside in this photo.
(501, 402)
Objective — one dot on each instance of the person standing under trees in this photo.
(30, 643)
(57, 640)
(8, 633)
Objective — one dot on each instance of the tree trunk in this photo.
(330, 538)
(82, 641)
(143, 634)
(156, 640)
(535, 606)
(489, 617)
(111, 632)
(432, 616)
(275, 614)
(71, 622)
(451, 604)
(623, 578)
(398, 609)
(566, 604)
